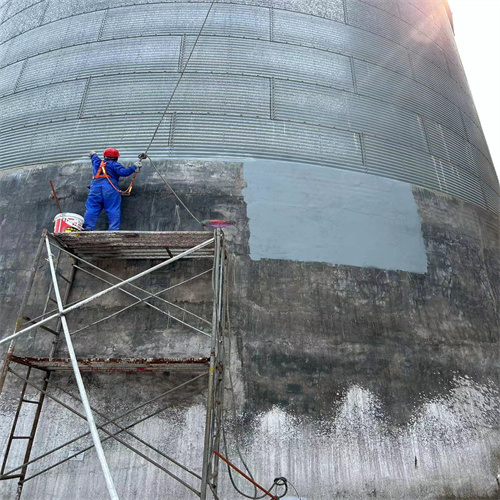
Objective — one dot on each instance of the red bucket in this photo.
(68, 223)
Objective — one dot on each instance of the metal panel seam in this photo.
(404, 21)
(103, 25)
(84, 98)
(20, 12)
(245, 37)
(133, 5)
(18, 79)
(378, 99)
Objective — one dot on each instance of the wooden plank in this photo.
(114, 365)
(133, 244)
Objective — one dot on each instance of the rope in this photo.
(127, 191)
(295, 489)
(235, 417)
(254, 496)
(180, 77)
(165, 112)
(236, 442)
(278, 481)
(176, 195)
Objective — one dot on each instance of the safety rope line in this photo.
(278, 481)
(238, 450)
(183, 70)
(295, 489)
(181, 75)
(233, 407)
(176, 195)
(127, 191)
(102, 173)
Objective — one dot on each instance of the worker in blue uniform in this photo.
(104, 192)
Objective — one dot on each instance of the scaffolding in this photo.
(81, 248)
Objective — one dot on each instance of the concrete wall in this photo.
(349, 380)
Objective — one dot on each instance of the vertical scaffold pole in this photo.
(221, 356)
(207, 448)
(45, 385)
(24, 303)
(79, 381)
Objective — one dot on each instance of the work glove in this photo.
(138, 164)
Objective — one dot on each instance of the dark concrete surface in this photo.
(360, 371)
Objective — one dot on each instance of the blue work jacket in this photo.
(114, 170)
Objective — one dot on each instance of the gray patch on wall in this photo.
(321, 214)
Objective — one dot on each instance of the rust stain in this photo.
(145, 365)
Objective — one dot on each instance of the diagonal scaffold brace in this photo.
(107, 290)
(208, 476)
(79, 381)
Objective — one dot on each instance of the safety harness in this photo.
(101, 173)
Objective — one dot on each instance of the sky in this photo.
(477, 35)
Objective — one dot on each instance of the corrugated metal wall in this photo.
(369, 85)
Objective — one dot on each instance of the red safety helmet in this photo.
(111, 153)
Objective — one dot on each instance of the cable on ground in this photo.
(279, 482)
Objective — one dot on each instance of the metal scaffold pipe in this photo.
(207, 450)
(21, 309)
(107, 290)
(79, 381)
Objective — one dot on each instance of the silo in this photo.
(341, 137)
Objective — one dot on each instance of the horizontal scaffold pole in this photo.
(110, 434)
(110, 289)
(101, 426)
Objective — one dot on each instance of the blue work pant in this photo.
(103, 196)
